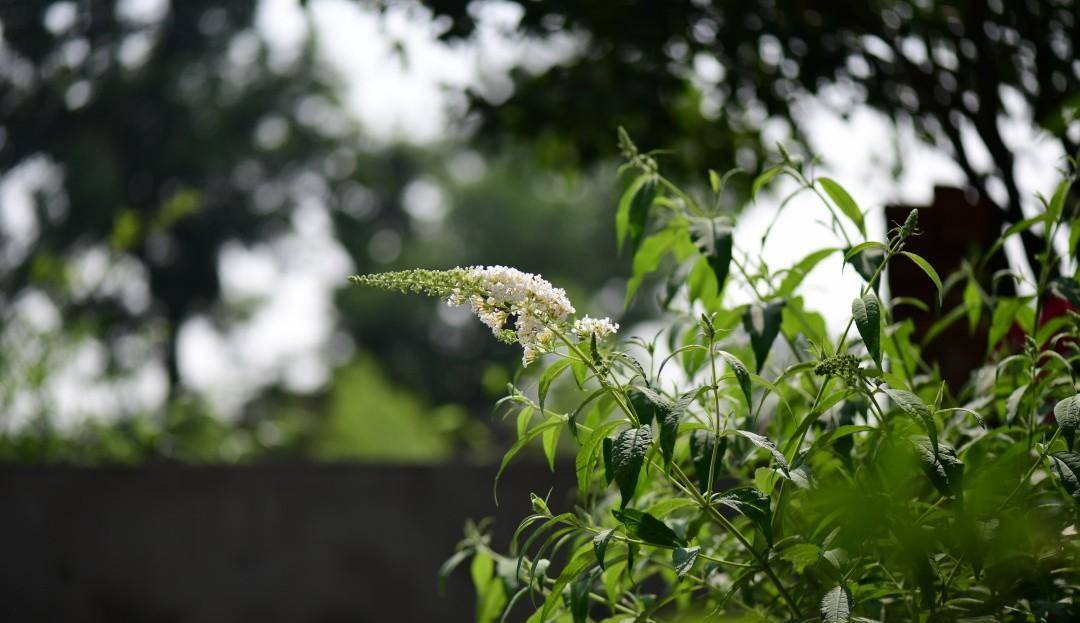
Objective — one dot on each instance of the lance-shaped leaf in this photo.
(627, 456)
(670, 416)
(632, 215)
(762, 322)
(553, 371)
(644, 526)
(836, 605)
(764, 442)
(928, 269)
(703, 450)
(683, 559)
(764, 178)
(844, 201)
(713, 238)
(600, 543)
(867, 314)
(912, 405)
(794, 277)
(752, 504)
(742, 375)
(1067, 414)
(1067, 467)
(609, 465)
(579, 598)
(941, 466)
(646, 404)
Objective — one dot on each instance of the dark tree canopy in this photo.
(940, 64)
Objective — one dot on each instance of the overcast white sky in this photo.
(416, 96)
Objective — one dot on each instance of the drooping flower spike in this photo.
(496, 294)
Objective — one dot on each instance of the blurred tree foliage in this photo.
(154, 141)
(943, 65)
(155, 125)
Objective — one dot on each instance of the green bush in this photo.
(745, 465)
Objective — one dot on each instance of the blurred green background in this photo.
(186, 185)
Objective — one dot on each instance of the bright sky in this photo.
(402, 83)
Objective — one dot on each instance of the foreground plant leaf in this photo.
(912, 405)
(1067, 467)
(1067, 414)
(836, 605)
(762, 322)
(627, 456)
(713, 238)
(867, 313)
(705, 448)
(752, 504)
(648, 528)
(683, 559)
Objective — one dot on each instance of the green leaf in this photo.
(762, 322)
(550, 374)
(514, 449)
(609, 465)
(579, 598)
(648, 528)
(801, 555)
(912, 405)
(764, 178)
(627, 456)
(714, 181)
(683, 559)
(928, 269)
(632, 215)
(587, 455)
(1067, 414)
(645, 404)
(600, 544)
(448, 567)
(973, 303)
(669, 428)
(742, 375)
(794, 277)
(766, 443)
(1006, 311)
(1067, 467)
(1065, 288)
(648, 256)
(550, 443)
(702, 444)
(713, 238)
(490, 594)
(836, 606)
(752, 504)
(941, 466)
(572, 569)
(1057, 202)
(844, 201)
(863, 246)
(1012, 230)
(867, 313)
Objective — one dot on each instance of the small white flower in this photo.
(587, 327)
(530, 299)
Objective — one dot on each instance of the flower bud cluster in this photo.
(845, 366)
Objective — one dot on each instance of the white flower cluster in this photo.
(585, 328)
(531, 300)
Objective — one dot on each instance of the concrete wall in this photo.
(319, 543)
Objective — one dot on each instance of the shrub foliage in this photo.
(744, 464)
